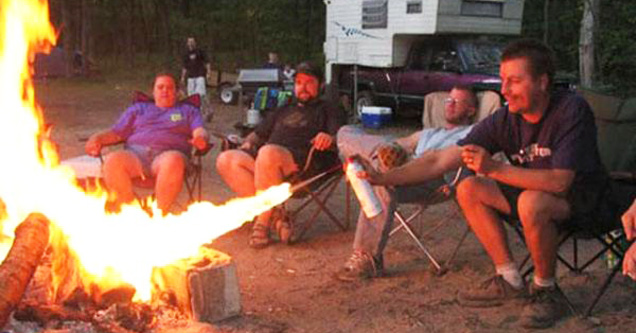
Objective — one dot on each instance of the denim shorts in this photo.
(147, 155)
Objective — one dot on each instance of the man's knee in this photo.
(271, 155)
(228, 161)
(538, 207)
(347, 139)
(172, 162)
(469, 189)
(224, 161)
(117, 161)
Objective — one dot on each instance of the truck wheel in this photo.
(226, 94)
(365, 98)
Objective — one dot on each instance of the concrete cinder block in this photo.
(204, 287)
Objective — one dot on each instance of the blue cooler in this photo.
(375, 116)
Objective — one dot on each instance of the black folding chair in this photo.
(317, 186)
(611, 239)
(312, 185)
(445, 193)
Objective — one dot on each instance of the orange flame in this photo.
(121, 247)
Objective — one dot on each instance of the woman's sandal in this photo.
(284, 228)
(260, 236)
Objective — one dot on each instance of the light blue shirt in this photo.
(440, 138)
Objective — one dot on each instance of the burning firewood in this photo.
(31, 239)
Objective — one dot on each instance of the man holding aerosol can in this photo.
(379, 202)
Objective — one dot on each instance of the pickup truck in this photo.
(434, 63)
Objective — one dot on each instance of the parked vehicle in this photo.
(434, 63)
(248, 82)
(394, 52)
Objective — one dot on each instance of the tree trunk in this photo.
(67, 35)
(308, 29)
(31, 239)
(546, 20)
(589, 25)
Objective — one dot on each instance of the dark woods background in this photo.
(134, 36)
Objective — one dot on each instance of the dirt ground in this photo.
(291, 288)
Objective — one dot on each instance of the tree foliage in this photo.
(239, 33)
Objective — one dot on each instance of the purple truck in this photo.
(434, 63)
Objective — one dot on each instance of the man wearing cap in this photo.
(279, 147)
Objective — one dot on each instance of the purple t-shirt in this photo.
(160, 129)
(565, 138)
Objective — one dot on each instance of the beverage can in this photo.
(253, 117)
(369, 202)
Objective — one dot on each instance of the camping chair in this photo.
(610, 238)
(317, 187)
(443, 194)
(312, 184)
(433, 117)
(616, 123)
(88, 169)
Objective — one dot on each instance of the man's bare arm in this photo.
(546, 180)
(409, 142)
(98, 140)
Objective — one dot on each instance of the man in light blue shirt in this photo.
(372, 234)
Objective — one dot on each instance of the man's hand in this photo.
(247, 145)
(199, 142)
(629, 262)
(322, 141)
(370, 173)
(476, 158)
(93, 146)
(629, 222)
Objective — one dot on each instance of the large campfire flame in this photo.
(112, 248)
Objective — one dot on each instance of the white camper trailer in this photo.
(379, 33)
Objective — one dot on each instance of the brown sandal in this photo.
(260, 236)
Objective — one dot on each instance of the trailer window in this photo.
(488, 8)
(414, 6)
(375, 14)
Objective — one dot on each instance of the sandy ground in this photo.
(291, 288)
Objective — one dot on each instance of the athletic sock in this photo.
(510, 273)
(544, 283)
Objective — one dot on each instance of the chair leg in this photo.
(408, 220)
(320, 198)
(601, 291)
(408, 229)
(456, 250)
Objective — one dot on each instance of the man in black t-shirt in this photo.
(278, 148)
(555, 178)
(196, 68)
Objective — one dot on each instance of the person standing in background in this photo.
(196, 68)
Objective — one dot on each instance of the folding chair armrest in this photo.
(623, 176)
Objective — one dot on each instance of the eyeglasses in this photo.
(451, 100)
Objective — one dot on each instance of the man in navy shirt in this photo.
(158, 138)
(555, 177)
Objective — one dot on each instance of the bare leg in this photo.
(119, 169)
(480, 199)
(538, 212)
(168, 168)
(236, 167)
(273, 164)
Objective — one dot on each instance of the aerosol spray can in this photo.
(369, 202)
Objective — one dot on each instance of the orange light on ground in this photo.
(111, 247)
